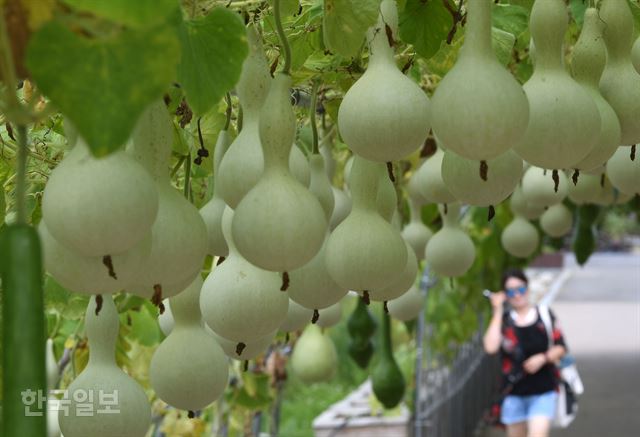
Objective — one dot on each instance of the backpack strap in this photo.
(545, 315)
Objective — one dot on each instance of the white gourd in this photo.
(624, 173)
(341, 208)
(416, 233)
(330, 316)
(402, 282)
(464, 180)
(450, 252)
(165, 319)
(279, 225)
(635, 55)
(521, 206)
(387, 198)
(299, 166)
(557, 221)
(103, 374)
(251, 350)
(365, 252)
(413, 187)
(314, 357)
(408, 306)
(326, 145)
(429, 180)
(297, 317)
(479, 109)
(520, 238)
(608, 195)
(212, 211)
(240, 301)
(586, 190)
(564, 122)
(113, 202)
(188, 370)
(589, 59)
(538, 187)
(620, 82)
(384, 116)
(320, 185)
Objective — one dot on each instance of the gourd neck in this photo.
(365, 181)
(185, 306)
(277, 125)
(385, 343)
(380, 51)
(152, 141)
(589, 54)
(253, 86)
(450, 215)
(227, 220)
(102, 331)
(414, 211)
(548, 24)
(617, 29)
(477, 40)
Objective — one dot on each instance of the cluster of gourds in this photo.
(290, 246)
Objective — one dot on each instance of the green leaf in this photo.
(577, 8)
(144, 326)
(345, 23)
(425, 25)
(502, 43)
(138, 13)
(288, 7)
(213, 50)
(510, 18)
(103, 85)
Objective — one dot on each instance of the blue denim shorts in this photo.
(522, 408)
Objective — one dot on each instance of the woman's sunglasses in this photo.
(512, 292)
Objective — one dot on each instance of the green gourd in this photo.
(465, 181)
(520, 238)
(589, 59)
(90, 274)
(623, 172)
(384, 116)
(429, 180)
(564, 122)
(179, 235)
(413, 187)
(314, 358)
(402, 282)
(365, 252)
(330, 316)
(165, 319)
(620, 82)
(408, 306)
(320, 185)
(557, 221)
(521, 206)
(479, 109)
(585, 190)
(341, 209)
(188, 370)
(416, 233)
(635, 55)
(539, 188)
(99, 206)
(387, 198)
(361, 326)
(325, 151)
(279, 225)
(450, 252)
(103, 374)
(299, 166)
(584, 240)
(252, 350)
(608, 195)
(297, 317)
(386, 378)
(240, 301)
(211, 212)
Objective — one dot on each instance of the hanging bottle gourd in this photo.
(635, 55)
(188, 370)
(521, 206)
(479, 109)
(416, 233)
(179, 235)
(239, 301)
(384, 116)
(299, 166)
(557, 221)
(297, 317)
(608, 195)
(620, 82)
(365, 252)
(408, 306)
(387, 198)
(212, 211)
(623, 172)
(585, 190)
(361, 326)
(520, 238)
(402, 282)
(564, 122)
(429, 180)
(314, 358)
(113, 200)
(130, 415)
(341, 209)
(386, 378)
(330, 316)
(589, 59)
(450, 252)
(540, 189)
(413, 187)
(251, 350)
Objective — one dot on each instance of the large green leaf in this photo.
(213, 49)
(103, 85)
(136, 13)
(502, 43)
(425, 25)
(288, 7)
(345, 23)
(510, 18)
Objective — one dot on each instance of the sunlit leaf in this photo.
(345, 23)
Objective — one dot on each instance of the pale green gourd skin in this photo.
(239, 301)
(387, 198)
(314, 357)
(188, 370)
(416, 233)
(252, 350)
(325, 151)
(89, 275)
(341, 209)
(211, 212)
(384, 116)
(86, 197)
(401, 283)
(585, 191)
(624, 173)
(589, 59)
(479, 110)
(520, 238)
(520, 206)
(620, 82)
(429, 180)
(635, 55)
(538, 188)
(557, 221)
(408, 306)
(297, 317)
(413, 187)
(279, 225)
(330, 316)
(102, 373)
(450, 252)
(462, 178)
(564, 122)
(607, 195)
(320, 185)
(365, 252)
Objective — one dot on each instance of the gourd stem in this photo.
(187, 176)
(240, 120)
(385, 343)
(312, 116)
(21, 176)
(8, 69)
(286, 48)
(227, 98)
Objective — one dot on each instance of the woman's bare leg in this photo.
(539, 426)
(517, 429)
